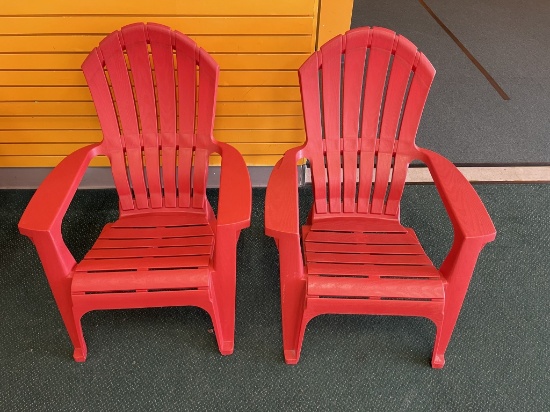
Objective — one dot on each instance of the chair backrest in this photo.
(363, 94)
(154, 91)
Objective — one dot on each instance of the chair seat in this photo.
(153, 252)
(368, 258)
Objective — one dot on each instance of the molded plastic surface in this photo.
(167, 248)
(363, 95)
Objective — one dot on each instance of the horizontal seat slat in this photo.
(364, 258)
(88, 265)
(359, 225)
(358, 248)
(157, 233)
(371, 270)
(161, 220)
(140, 280)
(379, 288)
(364, 238)
(153, 243)
(148, 252)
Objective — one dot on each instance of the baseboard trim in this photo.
(101, 178)
(477, 174)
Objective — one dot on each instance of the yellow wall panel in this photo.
(50, 161)
(259, 94)
(258, 78)
(14, 94)
(38, 160)
(73, 61)
(49, 123)
(190, 25)
(264, 61)
(215, 44)
(92, 123)
(64, 149)
(46, 109)
(52, 136)
(334, 19)
(46, 149)
(75, 78)
(87, 108)
(259, 122)
(294, 136)
(164, 7)
(92, 136)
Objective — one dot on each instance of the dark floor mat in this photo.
(167, 359)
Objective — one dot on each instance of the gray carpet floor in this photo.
(167, 359)
(465, 119)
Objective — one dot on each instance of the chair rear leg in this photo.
(438, 355)
(80, 351)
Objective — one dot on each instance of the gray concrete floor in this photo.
(465, 119)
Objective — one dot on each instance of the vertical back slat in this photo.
(379, 58)
(405, 53)
(135, 41)
(112, 49)
(99, 89)
(163, 61)
(187, 72)
(331, 82)
(311, 105)
(208, 85)
(354, 68)
(416, 99)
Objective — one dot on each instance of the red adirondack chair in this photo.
(356, 257)
(167, 248)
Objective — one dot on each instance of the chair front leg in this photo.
(224, 287)
(457, 269)
(58, 263)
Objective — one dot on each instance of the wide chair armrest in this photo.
(466, 211)
(235, 198)
(51, 200)
(281, 199)
(42, 218)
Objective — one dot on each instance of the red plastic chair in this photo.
(356, 258)
(167, 248)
